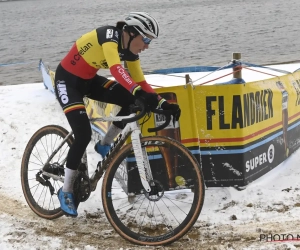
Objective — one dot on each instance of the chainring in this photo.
(81, 188)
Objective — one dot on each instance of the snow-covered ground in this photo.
(230, 219)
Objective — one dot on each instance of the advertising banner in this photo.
(238, 132)
(245, 130)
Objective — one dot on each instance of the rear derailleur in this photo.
(55, 169)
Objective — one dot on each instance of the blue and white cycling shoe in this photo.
(67, 203)
(102, 149)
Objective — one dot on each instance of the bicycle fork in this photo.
(141, 160)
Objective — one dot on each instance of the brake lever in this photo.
(167, 114)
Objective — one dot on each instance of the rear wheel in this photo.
(40, 191)
(174, 203)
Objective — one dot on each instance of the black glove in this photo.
(149, 99)
(174, 108)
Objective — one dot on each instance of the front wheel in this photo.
(173, 205)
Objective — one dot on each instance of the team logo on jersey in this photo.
(62, 91)
(117, 34)
(121, 55)
(109, 33)
(104, 64)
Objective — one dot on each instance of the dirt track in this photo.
(93, 230)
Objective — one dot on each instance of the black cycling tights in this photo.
(70, 91)
(81, 127)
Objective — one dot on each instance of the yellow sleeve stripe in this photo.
(111, 54)
(135, 70)
(161, 102)
(135, 89)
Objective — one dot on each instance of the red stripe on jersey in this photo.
(76, 65)
(146, 87)
(121, 75)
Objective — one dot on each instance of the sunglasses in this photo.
(145, 39)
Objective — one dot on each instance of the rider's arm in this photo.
(136, 72)
(110, 50)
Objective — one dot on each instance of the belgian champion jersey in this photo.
(100, 48)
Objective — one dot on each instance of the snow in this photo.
(230, 219)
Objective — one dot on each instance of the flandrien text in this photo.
(245, 110)
(279, 237)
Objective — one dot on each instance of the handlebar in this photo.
(167, 114)
(139, 106)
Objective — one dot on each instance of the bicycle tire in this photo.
(35, 155)
(156, 231)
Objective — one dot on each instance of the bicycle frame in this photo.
(132, 129)
(140, 154)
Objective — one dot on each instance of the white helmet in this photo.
(143, 22)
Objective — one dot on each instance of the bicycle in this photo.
(138, 199)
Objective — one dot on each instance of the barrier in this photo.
(248, 129)
(244, 130)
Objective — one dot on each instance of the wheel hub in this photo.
(157, 191)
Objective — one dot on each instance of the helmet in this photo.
(143, 22)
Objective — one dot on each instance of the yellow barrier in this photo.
(243, 130)
(248, 129)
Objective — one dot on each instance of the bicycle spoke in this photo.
(39, 189)
(41, 164)
(162, 213)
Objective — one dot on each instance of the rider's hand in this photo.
(149, 99)
(174, 108)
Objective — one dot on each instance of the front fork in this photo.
(141, 160)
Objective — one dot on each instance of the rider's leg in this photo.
(109, 91)
(112, 132)
(69, 93)
(80, 125)
(103, 146)
(70, 175)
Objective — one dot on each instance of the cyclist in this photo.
(76, 77)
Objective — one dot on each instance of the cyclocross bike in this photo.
(142, 200)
